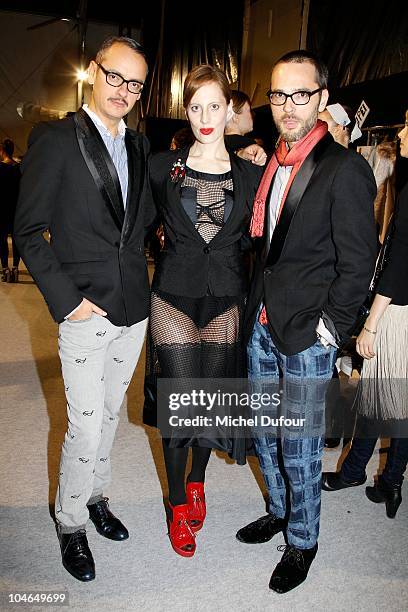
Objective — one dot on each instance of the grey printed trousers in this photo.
(98, 360)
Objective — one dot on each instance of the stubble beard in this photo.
(305, 127)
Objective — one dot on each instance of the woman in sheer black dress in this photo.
(204, 196)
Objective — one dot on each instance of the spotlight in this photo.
(82, 75)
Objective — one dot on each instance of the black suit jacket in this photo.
(393, 282)
(322, 253)
(187, 265)
(70, 187)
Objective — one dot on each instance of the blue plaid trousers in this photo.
(290, 456)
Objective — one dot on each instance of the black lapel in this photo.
(266, 238)
(136, 172)
(293, 199)
(100, 165)
(173, 193)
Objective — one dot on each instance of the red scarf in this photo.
(283, 157)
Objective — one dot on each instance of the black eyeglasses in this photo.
(116, 80)
(278, 98)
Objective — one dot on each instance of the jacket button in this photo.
(206, 250)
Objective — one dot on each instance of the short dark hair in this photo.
(122, 40)
(201, 75)
(302, 56)
(239, 98)
(183, 137)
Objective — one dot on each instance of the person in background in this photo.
(85, 178)
(182, 138)
(7, 153)
(383, 343)
(240, 123)
(9, 187)
(338, 122)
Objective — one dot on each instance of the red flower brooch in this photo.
(178, 171)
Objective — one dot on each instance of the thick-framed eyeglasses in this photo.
(116, 80)
(300, 98)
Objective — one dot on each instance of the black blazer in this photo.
(393, 281)
(322, 253)
(187, 265)
(70, 187)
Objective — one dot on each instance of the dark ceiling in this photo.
(129, 14)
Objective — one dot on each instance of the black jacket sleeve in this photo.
(150, 209)
(393, 282)
(354, 236)
(41, 182)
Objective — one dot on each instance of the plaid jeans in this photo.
(290, 456)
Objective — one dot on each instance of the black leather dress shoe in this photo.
(76, 555)
(262, 530)
(292, 569)
(383, 492)
(105, 522)
(332, 481)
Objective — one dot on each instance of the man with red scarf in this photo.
(313, 216)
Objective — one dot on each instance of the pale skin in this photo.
(111, 104)
(241, 123)
(366, 339)
(208, 110)
(365, 342)
(253, 153)
(338, 132)
(292, 120)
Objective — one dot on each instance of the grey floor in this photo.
(362, 562)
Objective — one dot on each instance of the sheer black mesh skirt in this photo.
(194, 338)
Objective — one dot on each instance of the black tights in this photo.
(4, 250)
(176, 462)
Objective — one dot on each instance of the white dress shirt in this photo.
(117, 150)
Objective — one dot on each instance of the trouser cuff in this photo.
(277, 512)
(96, 497)
(63, 529)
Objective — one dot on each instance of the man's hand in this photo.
(253, 153)
(85, 311)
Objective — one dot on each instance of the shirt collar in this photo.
(101, 126)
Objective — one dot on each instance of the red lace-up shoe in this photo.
(196, 504)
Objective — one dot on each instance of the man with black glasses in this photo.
(313, 216)
(85, 180)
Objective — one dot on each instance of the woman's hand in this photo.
(365, 342)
